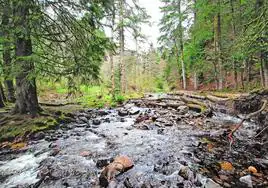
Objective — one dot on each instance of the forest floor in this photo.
(174, 140)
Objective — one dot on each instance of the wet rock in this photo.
(134, 111)
(122, 112)
(129, 128)
(96, 122)
(39, 136)
(69, 126)
(107, 120)
(83, 119)
(54, 152)
(43, 172)
(53, 145)
(142, 118)
(102, 113)
(211, 184)
(51, 138)
(183, 110)
(82, 125)
(103, 162)
(247, 180)
(160, 131)
(142, 126)
(186, 173)
(119, 165)
(168, 124)
(224, 177)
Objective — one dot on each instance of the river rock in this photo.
(96, 122)
(103, 162)
(247, 180)
(211, 184)
(39, 136)
(122, 112)
(134, 111)
(83, 119)
(102, 113)
(82, 125)
(183, 109)
(54, 152)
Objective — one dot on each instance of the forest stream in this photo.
(169, 148)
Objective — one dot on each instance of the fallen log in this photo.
(58, 104)
(193, 101)
(197, 108)
(216, 99)
(227, 95)
(172, 105)
(195, 96)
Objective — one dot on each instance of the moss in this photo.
(19, 126)
(198, 108)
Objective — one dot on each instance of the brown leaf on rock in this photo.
(227, 166)
(19, 145)
(85, 153)
(252, 169)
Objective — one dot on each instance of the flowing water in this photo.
(158, 152)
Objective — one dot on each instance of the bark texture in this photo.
(26, 95)
(7, 52)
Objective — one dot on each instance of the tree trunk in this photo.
(233, 38)
(265, 71)
(112, 55)
(217, 38)
(26, 94)
(2, 96)
(195, 81)
(122, 48)
(7, 52)
(181, 47)
(243, 73)
(137, 62)
(195, 71)
(261, 70)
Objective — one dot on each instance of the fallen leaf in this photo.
(252, 169)
(210, 147)
(85, 153)
(227, 166)
(19, 145)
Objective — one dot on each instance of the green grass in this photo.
(99, 97)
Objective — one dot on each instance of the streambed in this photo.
(166, 150)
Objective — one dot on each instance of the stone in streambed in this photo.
(122, 113)
(96, 122)
(102, 113)
(103, 162)
(83, 119)
(183, 109)
(247, 180)
(119, 165)
(211, 184)
(39, 136)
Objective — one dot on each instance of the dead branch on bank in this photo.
(230, 135)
